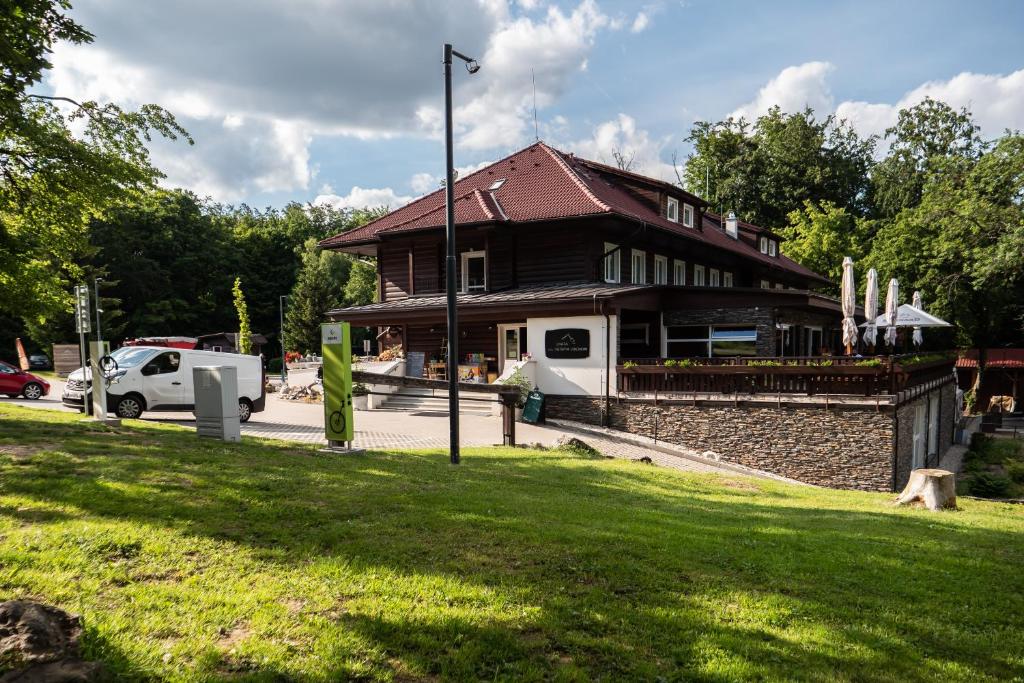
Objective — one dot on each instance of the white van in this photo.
(144, 378)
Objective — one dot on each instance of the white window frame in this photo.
(765, 284)
(763, 244)
(612, 263)
(714, 277)
(466, 255)
(638, 276)
(933, 424)
(773, 248)
(698, 276)
(688, 215)
(660, 270)
(727, 279)
(672, 209)
(679, 269)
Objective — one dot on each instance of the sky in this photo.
(341, 101)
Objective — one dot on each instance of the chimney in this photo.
(732, 228)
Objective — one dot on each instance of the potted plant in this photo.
(520, 381)
(360, 396)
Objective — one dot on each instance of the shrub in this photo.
(989, 485)
(360, 389)
(764, 363)
(628, 364)
(1015, 470)
(671, 363)
(520, 381)
(869, 363)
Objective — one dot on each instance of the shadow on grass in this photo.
(636, 573)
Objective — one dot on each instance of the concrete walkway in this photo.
(392, 430)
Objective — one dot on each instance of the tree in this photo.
(924, 135)
(820, 235)
(361, 288)
(320, 287)
(244, 331)
(53, 180)
(962, 244)
(766, 170)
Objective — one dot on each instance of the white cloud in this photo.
(256, 81)
(793, 89)
(422, 183)
(622, 135)
(996, 101)
(641, 22)
(498, 101)
(364, 198)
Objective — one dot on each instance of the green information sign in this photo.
(337, 352)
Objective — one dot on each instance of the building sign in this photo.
(337, 352)
(567, 343)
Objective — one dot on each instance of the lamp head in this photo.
(472, 66)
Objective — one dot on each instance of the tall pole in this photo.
(284, 368)
(453, 322)
(96, 286)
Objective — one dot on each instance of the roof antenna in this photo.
(533, 77)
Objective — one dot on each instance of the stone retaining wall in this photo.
(846, 446)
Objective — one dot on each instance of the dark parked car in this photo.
(15, 382)
(39, 361)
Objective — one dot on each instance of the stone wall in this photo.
(839, 446)
(905, 430)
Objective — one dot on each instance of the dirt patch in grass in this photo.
(230, 638)
(22, 454)
(738, 485)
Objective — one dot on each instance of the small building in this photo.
(227, 342)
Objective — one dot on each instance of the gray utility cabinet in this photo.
(216, 392)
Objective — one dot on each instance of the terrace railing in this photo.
(808, 376)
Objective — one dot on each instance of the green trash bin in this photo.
(534, 404)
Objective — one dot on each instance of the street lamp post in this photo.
(449, 187)
(284, 368)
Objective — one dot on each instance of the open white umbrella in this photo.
(892, 302)
(848, 294)
(909, 316)
(916, 302)
(871, 307)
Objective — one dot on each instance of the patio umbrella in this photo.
(892, 302)
(916, 302)
(871, 307)
(848, 298)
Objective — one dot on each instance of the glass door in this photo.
(511, 344)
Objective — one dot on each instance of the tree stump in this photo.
(936, 489)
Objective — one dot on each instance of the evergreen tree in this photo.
(244, 331)
(320, 287)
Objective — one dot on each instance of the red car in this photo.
(15, 382)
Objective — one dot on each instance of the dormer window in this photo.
(672, 209)
(687, 215)
(764, 245)
(496, 184)
(773, 248)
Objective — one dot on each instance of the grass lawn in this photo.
(198, 560)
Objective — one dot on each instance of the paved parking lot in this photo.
(385, 430)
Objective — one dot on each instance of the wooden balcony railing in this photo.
(887, 375)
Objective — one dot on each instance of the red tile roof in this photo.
(996, 358)
(542, 183)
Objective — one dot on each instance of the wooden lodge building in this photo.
(587, 278)
(549, 241)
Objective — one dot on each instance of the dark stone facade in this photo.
(840, 445)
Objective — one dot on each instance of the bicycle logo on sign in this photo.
(337, 419)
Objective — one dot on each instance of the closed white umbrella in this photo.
(871, 307)
(892, 303)
(916, 303)
(848, 294)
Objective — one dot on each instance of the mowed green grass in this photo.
(198, 560)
